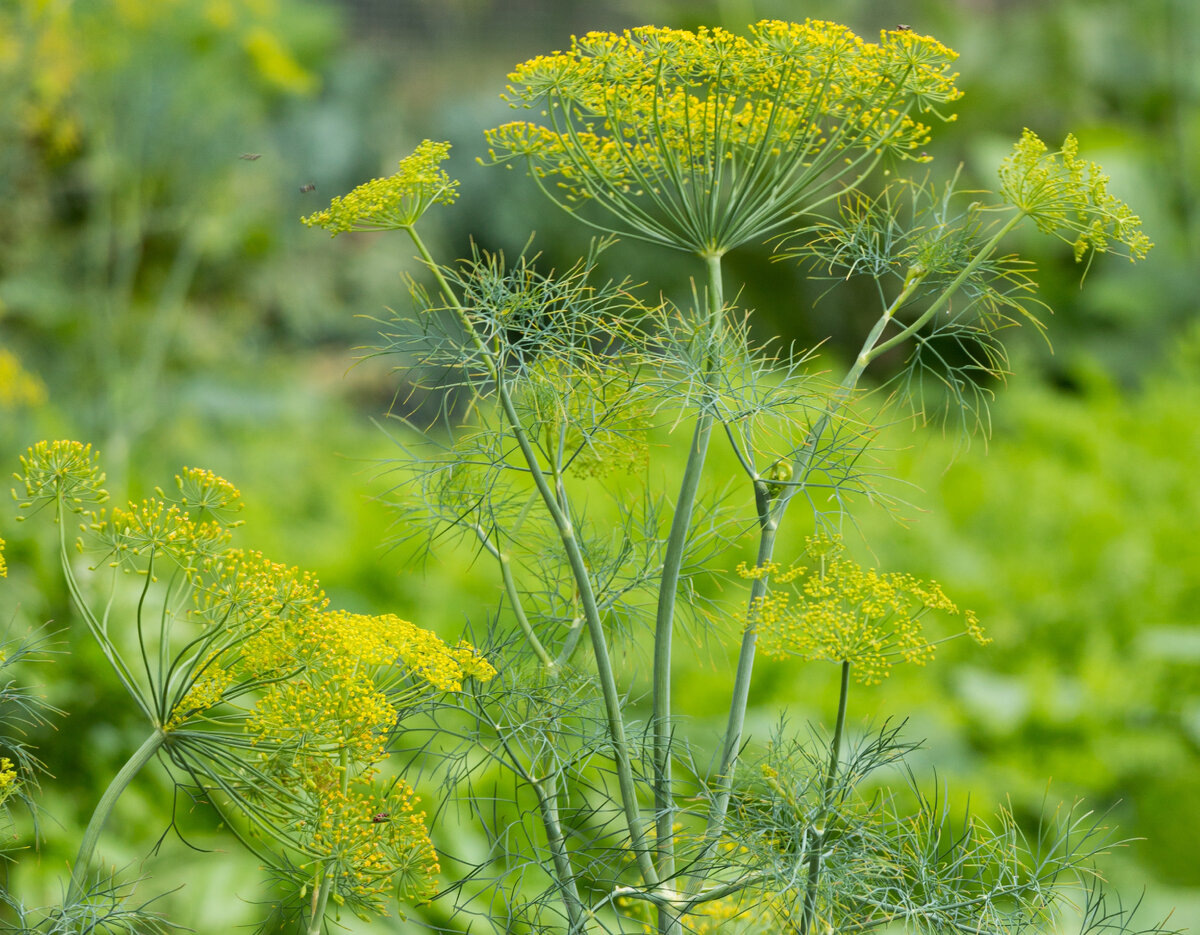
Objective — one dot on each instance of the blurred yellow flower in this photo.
(18, 387)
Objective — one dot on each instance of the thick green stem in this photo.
(820, 824)
(91, 835)
(583, 581)
(664, 802)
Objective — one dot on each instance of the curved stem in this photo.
(681, 522)
(937, 305)
(514, 596)
(579, 571)
(91, 835)
(98, 629)
(547, 795)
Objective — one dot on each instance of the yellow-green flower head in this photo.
(841, 612)
(248, 590)
(705, 140)
(370, 843)
(205, 495)
(396, 202)
(63, 472)
(156, 529)
(9, 780)
(278, 705)
(1069, 198)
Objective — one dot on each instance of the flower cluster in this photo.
(205, 494)
(138, 534)
(841, 612)
(279, 705)
(379, 844)
(65, 473)
(704, 140)
(1067, 196)
(396, 202)
(9, 780)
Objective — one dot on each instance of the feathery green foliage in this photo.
(550, 381)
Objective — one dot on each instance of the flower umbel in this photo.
(277, 707)
(841, 612)
(705, 140)
(395, 202)
(1067, 196)
(66, 472)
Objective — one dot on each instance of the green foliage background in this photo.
(163, 291)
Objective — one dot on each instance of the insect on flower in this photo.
(307, 187)
(903, 27)
(381, 818)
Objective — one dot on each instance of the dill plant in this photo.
(258, 698)
(554, 383)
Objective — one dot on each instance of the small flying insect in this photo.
(903, 27)
(307, 187)
(381, 818)
(250, 157)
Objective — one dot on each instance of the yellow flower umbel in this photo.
(279, 708)
(1069, 198)
(9, 780)
(705, 140)
(65, 473)
(396, 202)
(840, 612)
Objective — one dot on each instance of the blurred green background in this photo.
(159, 299)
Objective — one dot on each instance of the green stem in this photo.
(514, 597)
(546, 791)
(820, 827)
(938, 304)
(664, 803)
(91, 835)
(583, 581)
(772, 516)
(99, 629)
(741, 693)
(320, 904)
(547, 794)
